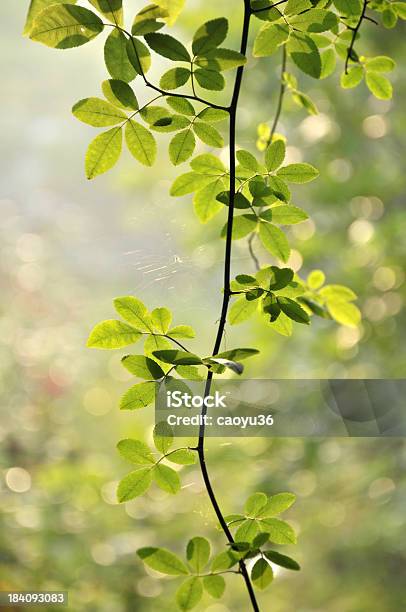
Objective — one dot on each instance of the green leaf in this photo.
(213, 115)
(146, 20)
(238, 354)
(208, 134)
(277, 504)
(241, 310)
(174, 78)
(274, 278)
(167, 46)
(161, 319)
(380, 63)
(349, 8)
(208, 164)
(293, 310)
(274, 240)
(112, 9)
(120, 94)
(113, 334)
(224, 561)
(221, 59)
(166, 478)
(198, 553)
(134, 484)
(163, 437)
(279, 531)
(298, 173)
(242, 226)
(283, 325)
(162, 560)
(247, 531)
(247, 160)
(338, 293)
(172, 7)
(189, 182)
(315, 20)
(189, 593)
(63, 26)
(305, 102)
(182, 331)
(345, 313)
(305, 54)
(134, 311)
(139, 55)
(135, 451)
(182, 456)
(98, 112)
(352, 78)
(254, 504)
(103, 152)
(269, 38)
(36, 7)
(378, 85)
(138, 396)
(116, 57)
(209, 79)
(205, 203)
(210, 35)
(143, 367)
(275, 154)
(316, 279)
(178, 357)
(214, 585)
(240, 201)
(282, 560)
(140, 143)
(328, 63)
(261, 574)
(389, 17)
(189, 373)
(285, 215)
(182, 146)
(181, 105)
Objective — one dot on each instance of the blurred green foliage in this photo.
(61, 239)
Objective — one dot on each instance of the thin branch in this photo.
(354, 35)
(282, 90)
(226, 298)
(252, 252)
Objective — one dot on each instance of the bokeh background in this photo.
(69, 246)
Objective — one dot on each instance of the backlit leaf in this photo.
(138, 396)
(189, 593)
(140, 143)
(103, 152)
(134, 484)
(63, 26)
(143, 367)
(113, 334)
(162, 560)
(116, 57)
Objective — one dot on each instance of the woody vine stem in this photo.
(226, 297)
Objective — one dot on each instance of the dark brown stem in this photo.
(226, 300)
(354, 35)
